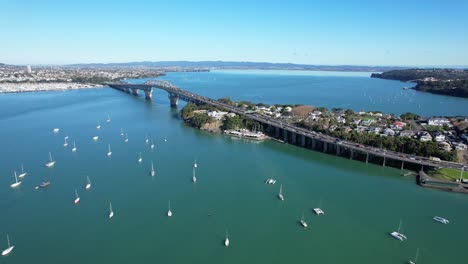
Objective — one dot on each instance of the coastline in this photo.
(44, 87)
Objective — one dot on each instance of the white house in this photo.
(438, 121)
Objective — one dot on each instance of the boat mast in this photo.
(8, 239)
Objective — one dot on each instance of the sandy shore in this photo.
(40, 87)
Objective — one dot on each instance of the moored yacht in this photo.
(65, 143)
(226, 240)
(441, 220)
(111, 212)
(77, 198)
(397, 234)
(194, 178)
(318, 211)
(126, 137)
(51, 162)
(415, 258)
(140, 159)
(88, 183)
(280, 194)
(22, 172)
(9, 248)
(16, 183)
(169, 212)
(152, 169)
(98, 126)
(56, 130)
(303, 222)
(109, 153)
(108, 120)
(74, 147)
(95, 138)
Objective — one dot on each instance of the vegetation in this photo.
(409, 116)
(454, 88)
(448, 174)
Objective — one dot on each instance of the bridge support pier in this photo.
(351, 154)
(383, 161)
(174, 100)
(285, 135)
(314, 143)
(135, 92)
(367, 157)
(294, 138)
(303, 140)
(277, 132)
(149, 94)
(402, 166)
(337, 150)
(325, 146)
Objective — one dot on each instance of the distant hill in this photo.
(453, 82)
(241, 65)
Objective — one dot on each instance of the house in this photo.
(438, 136)
(389, 132)
(398, 125)
(356, 121)
(367, 122)
(218, 115)
(425, 136)
(459, 146)
(341, 120)
(375, 130)
(444, 145)
(407, 133)
(438, 121)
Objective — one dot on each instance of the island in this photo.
(452, 82)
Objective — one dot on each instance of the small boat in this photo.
(169, 212)
(226, 241)
(415, 258)
(140, 159)
(441, 220)
(51, 162)
(318, 211)
(165, 140)
(109, 153)
(108, 120)
(121, 132)
(65, 143)
(146, 140)
(126, 137)
(66, 137)
(16, 183)
(43, 185)
(111, 212)
(74, 147)
(280, 194)
(22, 172)
(152, 169)
(303, 222)
(56, 130)
(152, 143)
(77, 198)
(194, 178)
(270, 181)
(88, 183)
(397, 234)
(195, 165)
(98, 126)
(9, 249)
(95, 138)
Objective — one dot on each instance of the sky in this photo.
(397, 32)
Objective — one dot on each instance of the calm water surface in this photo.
(363, 203)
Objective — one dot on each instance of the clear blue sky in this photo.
(409, 32)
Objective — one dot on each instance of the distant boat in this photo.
(194, 178)
(17, 183)
(280, 194)
(51, 162)
(415, 258)
(152, 169)
(77, 198)
(99, 125)
(441, 220)
(165, 140)
(169, 212)
(140, 159)
(111, 212)
(109, 153)
(121, 132)
(195, 165)
(9, 249)
(22, 172)
(270, 181)
(126, 137)
(88, 183)
(65, 144)
(319, 211)
(95, 138)
(226, 241)
(66, 137)
(43, 184)
(152, 143)
(146, 140)
(397, 234)
(56, 130)
(303, 222)
(74, 147)
(108, 120)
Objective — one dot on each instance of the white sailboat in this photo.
(109, 153)
(140, 159)
(74, 147)
(9, 249)
(16, 183)
(51, 162)
(66, 137)
(415, 258)
(194, 178)
(111, 212)
(56, 130)
(126, 137)
(195, 165)
(95, 138)
(98, 125)
(77, 198)
(169, 212)
(65, 143)
(146, 140)
(22, 172)
(303, 222)
(108, 120)
(280, 194)
(121, 132)
(88, 183)
(152, 169)
(318, 210)
(226, 241)
(152, 143)
(397, 234)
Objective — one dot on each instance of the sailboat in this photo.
(56, 130)
(152, 169)
(109, 153)
(195, 165)
(22, 172)
(152, 143)
(194, 178)
(95, 138)
(280, 194)
(146, 140)
(226, 241)
(111, 212)
(98, 125)
(397, 234)
(169, 212)
(65, 144)
(17, 183)
(126, 137)
(140, 159)
(108, 119)
(319, 211)
(88, 183)
(51, 162)
(121, 132)
(74, 147)
(415, 258)
(303, 223)
(9, 249)
(77, 198)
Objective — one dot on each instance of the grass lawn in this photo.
(448, 174)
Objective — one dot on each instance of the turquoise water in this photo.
(363, 203)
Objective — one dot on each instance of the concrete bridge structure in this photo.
(291, 134)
